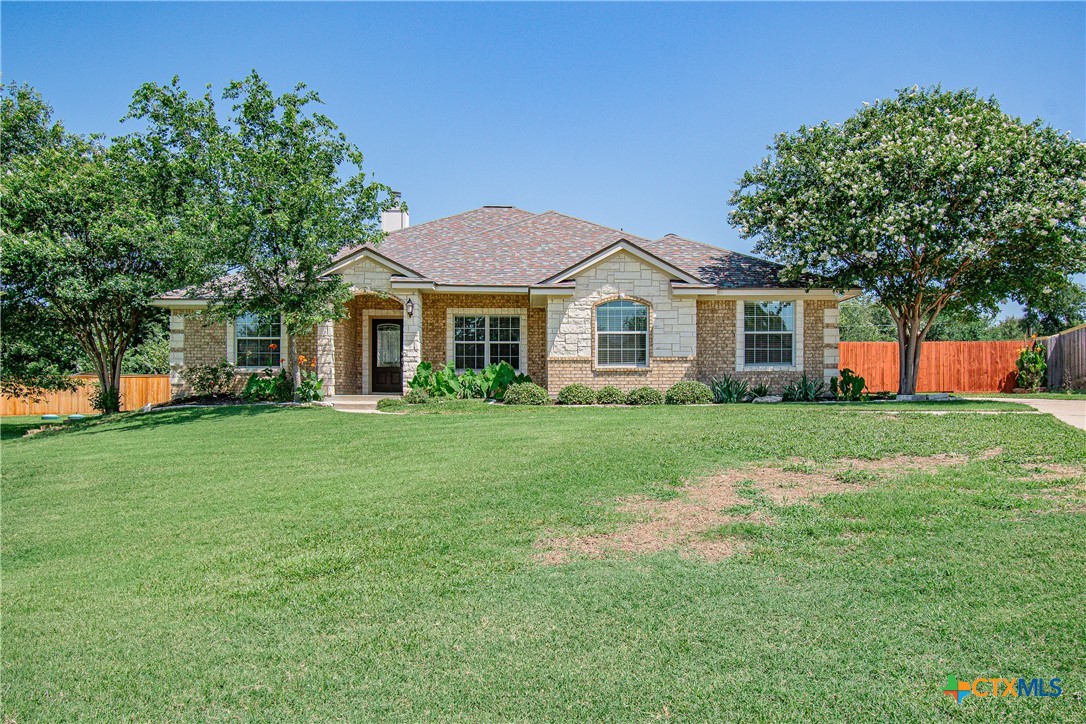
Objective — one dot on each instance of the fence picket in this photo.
(136, 391)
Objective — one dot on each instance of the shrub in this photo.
(490, 381)
(210, 380)
(644, 396)
(266, 387)
(526, 393)
(1032, 366)
(728, 389)
(414, 396)
(849, 386)
(759, 390)
(610, 395)
(803, 390)
(105, 402)
(577, 395)
(689, 392)
(309, 389)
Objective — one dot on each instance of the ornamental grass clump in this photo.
(729, 389)
(689, 392)
(577, 394)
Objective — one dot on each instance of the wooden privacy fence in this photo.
(136, 391)
(944, 366)
(1067, 358)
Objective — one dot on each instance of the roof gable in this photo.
(620, 246)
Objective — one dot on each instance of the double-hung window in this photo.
(481, 340)
(622, 334)
(257, 340)
(769, 333)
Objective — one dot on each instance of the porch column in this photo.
(326, 355)
(412, 337)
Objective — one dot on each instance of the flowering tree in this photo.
(932, 201)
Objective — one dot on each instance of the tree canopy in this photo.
(931, 201)
(92, 233)
(285, 193)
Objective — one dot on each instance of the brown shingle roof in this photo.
(507, 246)
(522, 249)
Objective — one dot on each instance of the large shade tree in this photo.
(932, 201)
(286, 192)
(91, 233)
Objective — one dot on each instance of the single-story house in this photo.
(562, 299)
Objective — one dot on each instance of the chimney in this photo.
(395, 218)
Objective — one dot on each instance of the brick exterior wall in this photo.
(435, 321)
(194, 343)
(717, 343)
(661, 373)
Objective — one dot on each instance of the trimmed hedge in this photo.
(644, 396)
(577, 395)
(610, 395)
(689, 392)
(526, 393)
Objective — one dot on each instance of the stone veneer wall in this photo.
(673, 341)
(435, 336)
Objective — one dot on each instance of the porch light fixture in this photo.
(409, 307)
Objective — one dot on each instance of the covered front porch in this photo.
(374, 349)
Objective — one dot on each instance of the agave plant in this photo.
(804, 390)
(728, 389)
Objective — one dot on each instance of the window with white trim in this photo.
(482, 340)
(769, 333)
(622, 334)
(257, 340)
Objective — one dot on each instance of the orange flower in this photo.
(273, 346)
(301, 358)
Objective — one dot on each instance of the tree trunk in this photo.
(908, 342)
(295, 368)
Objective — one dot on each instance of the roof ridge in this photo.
(596, 224)
(488, 229)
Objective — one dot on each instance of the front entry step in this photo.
(356, 403)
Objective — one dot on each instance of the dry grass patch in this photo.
(681, 523)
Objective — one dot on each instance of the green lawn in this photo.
(1061, 395)
(291, 563)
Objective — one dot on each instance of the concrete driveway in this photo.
(1071, 411)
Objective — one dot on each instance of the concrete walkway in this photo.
(1072, 411)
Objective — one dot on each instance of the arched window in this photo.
(622, 334)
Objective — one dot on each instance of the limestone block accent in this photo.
(672, 321)
(366, 276)
(412, 338)
(177, 322)
(831, 338)
(326, 356)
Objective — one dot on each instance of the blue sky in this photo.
(639, 116)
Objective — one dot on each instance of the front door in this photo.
(387, 342)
